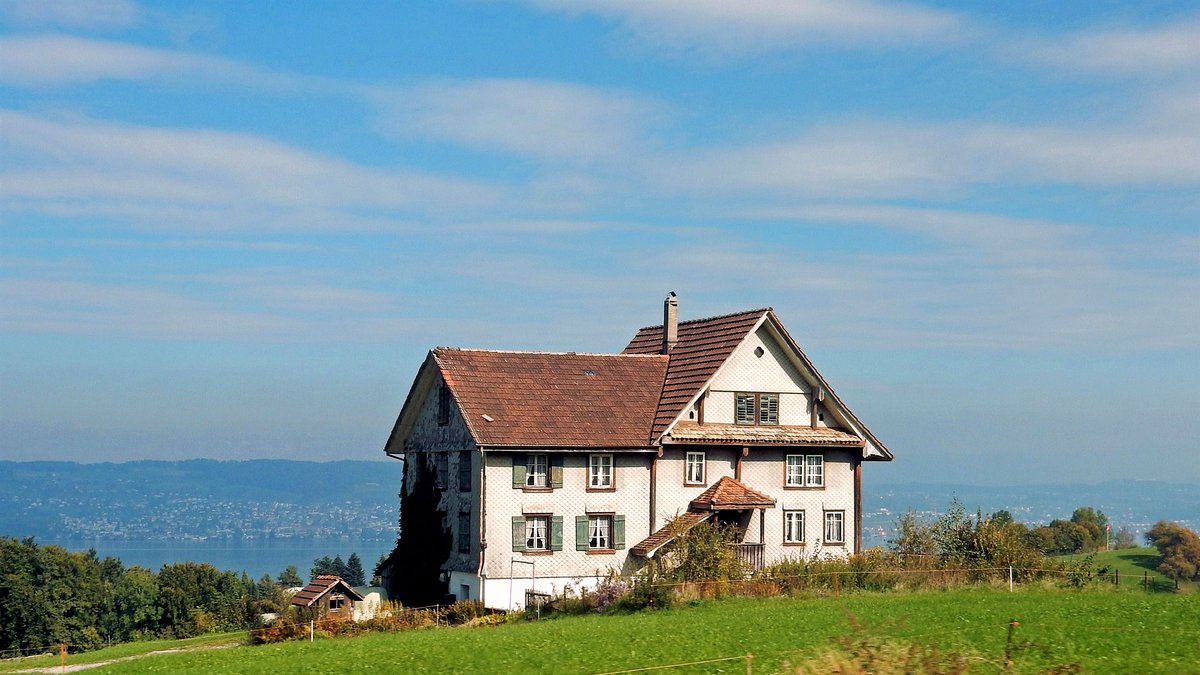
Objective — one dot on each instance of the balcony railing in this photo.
(752, 556)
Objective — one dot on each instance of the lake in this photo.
(255, 557)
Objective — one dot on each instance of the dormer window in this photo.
(757, 408)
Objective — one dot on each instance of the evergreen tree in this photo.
(290, 577)
(339, 567)
(355, 576)
(424, 543)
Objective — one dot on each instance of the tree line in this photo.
(51, 596)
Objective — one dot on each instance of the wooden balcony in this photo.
(751, 555)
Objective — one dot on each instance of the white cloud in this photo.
(708, 26)
(1167, 48)
(57, 60)
(93, 14)
(215, 179)
(537, 118)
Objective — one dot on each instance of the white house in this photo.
(558, 468)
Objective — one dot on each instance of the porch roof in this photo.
(729, 494)
(667, 533)
(691, 432)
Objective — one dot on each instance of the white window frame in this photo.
(537, 530)
(835, 521)
(793, 473)
(793, 522)
(537, 470)
(697, 461)
(814, 471)
(600, 533)
(600, 472)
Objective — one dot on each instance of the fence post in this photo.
(749, 663)
(1116, 577)
(837, 587)
(1012, 628)
(1145, 581)
(312, 630)
(62, 653)
(1010, 580)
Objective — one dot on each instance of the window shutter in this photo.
(556, 471)
(581, 533)
(518, 541)
(519, 461)
(556, 527)
(618, 532)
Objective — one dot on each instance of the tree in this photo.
(1180, 549)
(290, 577)
(1093, 522)
(424, 543)
(355, 575)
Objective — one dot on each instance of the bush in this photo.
(645, 594)
(463, 611)
(1180, 549)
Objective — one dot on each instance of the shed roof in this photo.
(321, 586)
(730, 494)
(667, 533)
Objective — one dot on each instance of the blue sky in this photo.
(233, 230)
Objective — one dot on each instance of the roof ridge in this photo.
(541, 352)
(760, 310)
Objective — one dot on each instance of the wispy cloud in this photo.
(715, 27)
(1161, 49)
(58, 60)
(535, 118)
(217, 179)
(87, 14)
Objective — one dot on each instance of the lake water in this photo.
(254, 557)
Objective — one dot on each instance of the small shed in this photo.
(330, 595)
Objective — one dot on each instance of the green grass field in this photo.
(1104, 630)
(1134, 565)
(122, 651)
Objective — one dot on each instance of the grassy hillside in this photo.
(1134, 564)
(1103, 630)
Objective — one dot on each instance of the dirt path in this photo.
(75, 667)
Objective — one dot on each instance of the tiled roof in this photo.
(729, 493)
(321, 585)
(678, 525)
(547, 399)
(704, 345)
(690, 432)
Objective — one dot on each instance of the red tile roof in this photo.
(730, 494)
(687, 431)
(325, 583)
(678, 525)
(704, 344)
(531, 399)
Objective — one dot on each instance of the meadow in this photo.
(1099, 630)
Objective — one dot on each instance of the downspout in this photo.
(482, 525)
(857, 505)
(654, 489)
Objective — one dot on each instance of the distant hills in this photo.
(209, 500)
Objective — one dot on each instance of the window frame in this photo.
(464, 471)
(840, 517)
(687, 467)
(443, 404)
(753, 417)
(464, 532)
(807, 479)
(531, 473)
(596, 523)
(441, 467)
(530, 521)
(794, 514)
(584, 528)
(597, 465)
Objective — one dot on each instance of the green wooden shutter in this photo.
(519, 462)
(618, 532)
(581, 533)
(556, 471)
(556, 527)
(518, 533)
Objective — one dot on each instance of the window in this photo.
(600, 472)
(694, 469)
(464, 533)
(464, 471)
(536, 474)
(443, 411)
(536, 537)
(793, 527)
(835, 530)
(599, 532)
(441, 461)
(804, 471)
(757, 408)
(335, 603)
(538, 533)
(814, 471)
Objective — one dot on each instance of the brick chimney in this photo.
(670, 323)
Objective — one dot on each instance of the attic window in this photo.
(758, 351)
(589, 372)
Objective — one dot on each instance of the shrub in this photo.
(645, 594)
(1180, 549)
(463, 611)
(705, 551)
